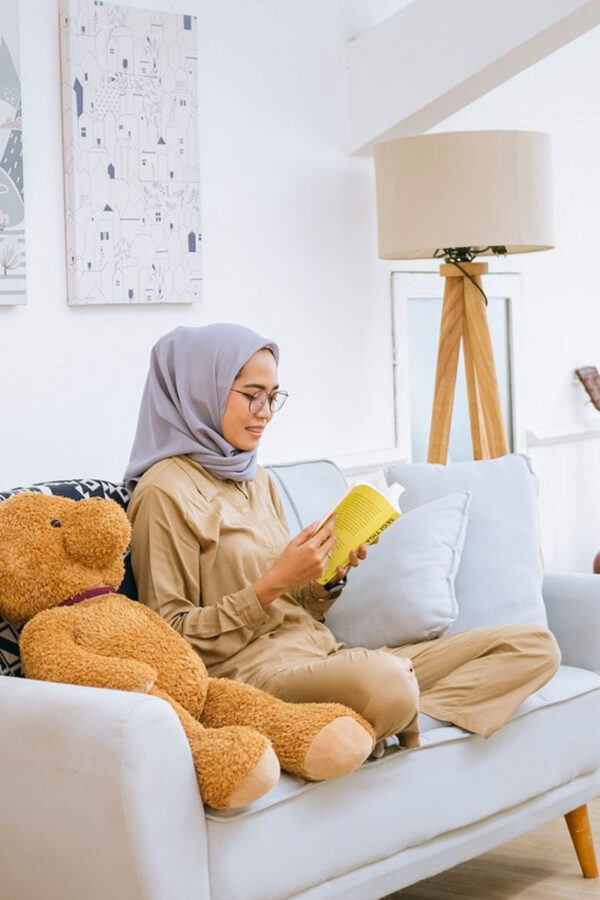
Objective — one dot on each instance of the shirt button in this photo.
(245, 509)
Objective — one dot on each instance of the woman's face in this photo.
(242, 428)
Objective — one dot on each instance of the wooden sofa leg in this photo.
(578, 823)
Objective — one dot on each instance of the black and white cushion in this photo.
(10, 659)
(78, 489)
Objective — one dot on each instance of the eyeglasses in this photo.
(257, 401)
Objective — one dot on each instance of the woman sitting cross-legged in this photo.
(211, 553)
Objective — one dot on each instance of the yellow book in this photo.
(361, 515)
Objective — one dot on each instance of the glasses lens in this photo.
(277, 400)
(258, 401)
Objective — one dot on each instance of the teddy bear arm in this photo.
(50, 653)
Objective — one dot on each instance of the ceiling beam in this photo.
(434, 57)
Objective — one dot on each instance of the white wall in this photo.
(560, 313)
(289, 248)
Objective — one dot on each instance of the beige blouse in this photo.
(198, 544)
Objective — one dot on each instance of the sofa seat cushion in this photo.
(500, 576)
(406, 798)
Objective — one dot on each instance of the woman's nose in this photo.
(265, 413)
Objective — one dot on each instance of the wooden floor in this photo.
(538, 866)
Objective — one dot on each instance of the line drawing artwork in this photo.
(130, 143)
(12, 210)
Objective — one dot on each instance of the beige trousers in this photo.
(474, 679)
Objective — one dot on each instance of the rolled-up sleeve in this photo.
(165, 556)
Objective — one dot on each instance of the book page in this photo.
(377, 479)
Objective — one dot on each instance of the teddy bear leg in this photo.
(315, 740)
(234, 765)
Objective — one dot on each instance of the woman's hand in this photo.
(303, 560)
(356, 556)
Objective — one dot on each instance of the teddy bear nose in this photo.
(95, 532)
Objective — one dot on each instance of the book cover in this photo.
(361, 516)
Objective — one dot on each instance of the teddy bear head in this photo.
(53, 548)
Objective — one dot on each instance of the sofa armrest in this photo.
(573, 608)
(99, 796)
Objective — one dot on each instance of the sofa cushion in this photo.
(500, 576)
(77, 489)
(408, 797)
(404, 592)
(10, 656)
(308, 490)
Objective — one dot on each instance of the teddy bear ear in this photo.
(96, 532)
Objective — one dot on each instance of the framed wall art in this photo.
(12, 211)
(130, 137)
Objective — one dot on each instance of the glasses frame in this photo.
(268, 398)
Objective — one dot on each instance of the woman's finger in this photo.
(305, 535)
(362, 551)
(325, 532)
(328, 546)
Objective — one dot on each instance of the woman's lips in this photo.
(255, 431)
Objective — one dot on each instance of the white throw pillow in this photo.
(500, 577)
(404, 591)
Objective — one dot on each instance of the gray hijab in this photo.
(191, 373)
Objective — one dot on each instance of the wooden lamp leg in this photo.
(578, 823)
(481, 358)
(464, 318)
(445, 376)
(479, 437)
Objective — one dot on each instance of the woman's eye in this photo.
(56, 523)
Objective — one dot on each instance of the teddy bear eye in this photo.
(56, 523)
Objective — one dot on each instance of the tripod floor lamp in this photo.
(457, 196)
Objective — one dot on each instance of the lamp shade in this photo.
(476, 189)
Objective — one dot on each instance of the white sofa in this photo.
(99, 798)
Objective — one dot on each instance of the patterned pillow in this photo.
(10, 660)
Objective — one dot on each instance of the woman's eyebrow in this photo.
(261, 387)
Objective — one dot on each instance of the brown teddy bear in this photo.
(59, 560)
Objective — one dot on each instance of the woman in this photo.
(211, 554)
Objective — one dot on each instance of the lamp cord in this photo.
(467, 254)
(454, 262)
